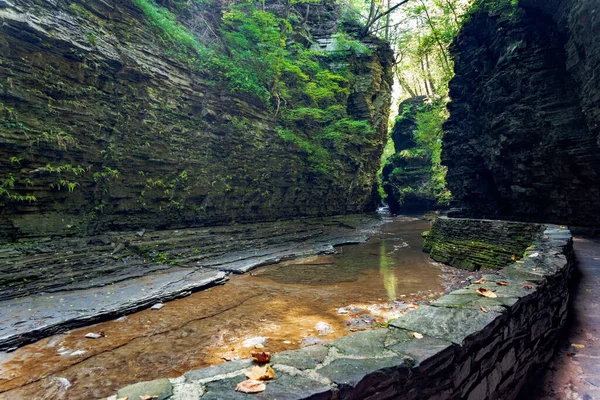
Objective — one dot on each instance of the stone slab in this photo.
(25, 320)
(451, 324)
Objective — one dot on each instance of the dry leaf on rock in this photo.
(250, 386)
(417, 335)
(479, 282)
(502, 283)
(486, 293)
(483, 308)
(262, 357)
(513, 257)
(261, 373)
(123, 398)
(578, 346)
(148, 397)
(527, 286)
(259, 346)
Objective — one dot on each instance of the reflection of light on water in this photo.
(386, 268)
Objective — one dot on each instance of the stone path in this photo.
(574, 374)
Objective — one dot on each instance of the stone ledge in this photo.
(465, 352)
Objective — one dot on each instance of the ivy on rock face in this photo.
(253, 51)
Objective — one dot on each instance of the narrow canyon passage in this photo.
(360, 287)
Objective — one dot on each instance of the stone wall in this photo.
(472, 347)
(108, 130)
(522, 138)
(472, 244)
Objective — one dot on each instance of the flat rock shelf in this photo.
(49, 285)
(467, 345)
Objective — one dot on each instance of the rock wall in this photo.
(472, 244)
(522, 138)
(402, 173)
(465, 352)
(101, 128)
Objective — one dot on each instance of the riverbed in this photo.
(281, 307)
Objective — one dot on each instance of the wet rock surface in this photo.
(437, 351)
(55, 285)
(278, 307)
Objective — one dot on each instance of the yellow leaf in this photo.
(502, 283)
(483, 308)
(486, 293)
(261, 373)
(479, 282)
(250, 386)
(578, 346)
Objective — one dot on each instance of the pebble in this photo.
(252, 342)
(323, 328)
(93, 335)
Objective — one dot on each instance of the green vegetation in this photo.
(252, 52)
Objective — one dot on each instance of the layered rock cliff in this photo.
(522, 140)
(102, 128)
(407, 179)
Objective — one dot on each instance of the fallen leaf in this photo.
(123, 398)
(259, 346)
(250, 386)
(527, 286)
(287, 342)
(479, 282)
(417, 335)
(262, 357)
(570, 354)
(502, 283)
(513, 257)
(578, 346)
(261, 373)
(483, 308)
(148, 397)
(486, 293)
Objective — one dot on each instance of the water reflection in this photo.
(388, 271)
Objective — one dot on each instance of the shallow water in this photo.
(354, 289)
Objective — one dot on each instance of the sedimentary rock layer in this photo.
(108, 130)
(522, 138)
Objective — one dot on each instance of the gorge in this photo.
(151, 149)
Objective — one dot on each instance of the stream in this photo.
(287, 305)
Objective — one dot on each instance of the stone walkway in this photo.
(575, 372)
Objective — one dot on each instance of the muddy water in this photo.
(355, 289)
